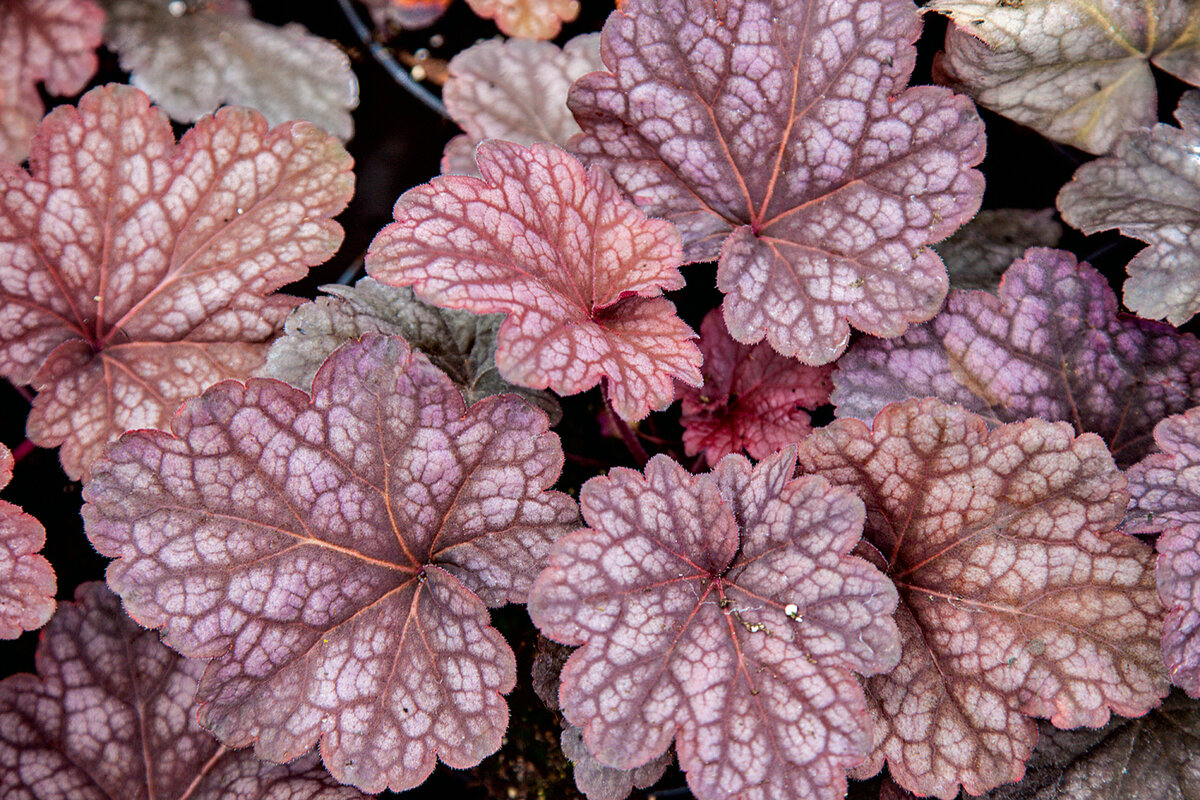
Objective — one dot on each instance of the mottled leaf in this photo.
(27, 583)
(1077, 72)
(530, 19)
(1017, 599)
(577, 268)
(515, 90)
(335, 558)
(1052, 345)
(192, 57)
(600, 782)
(134, 272)
(458, 343)
(1149, 189)
(111, 714)
(778, 135)
(753, 400)
(721, 611)
(984, 248)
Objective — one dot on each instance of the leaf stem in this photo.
(627, 435)
(23, 449)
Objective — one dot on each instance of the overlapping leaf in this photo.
(530, 19)
(193, 57)
(753, 399)
(1077, 72)
(577, 268)
(335, 558)
(27, 581)
(514, 90)
(1017, 598)
(1052, 345)
(984, 248)
(779, 135)
(134, 272)
(1149, 189)
(112, 715)
(722, 612)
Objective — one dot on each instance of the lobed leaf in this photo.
(335, 557)
(779, 135)
(27, 582)
(577, 268)
(530, 19)
(979, 253)
(600, 782)
(1017, 597)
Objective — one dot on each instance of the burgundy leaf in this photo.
(1052, 345)
(335, 558)
(577, 268)
(27, 583)
(979, 253)
(112, 715)
(134, 272)
(779, 134)
(1017, 598)
(721, 611)
(753, 399)
(531, 19)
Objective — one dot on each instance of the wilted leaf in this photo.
(27, 582)
(722, 612)
(984, 248)
(1077, 72)
(1052, 345)
(1149, 189)
(193, 57)
(335, 558)
(112, 714)
(514, 90)
(577, 268)
(779, 135)
(1017, 598)
(134, 272)
(458, 343)
(531, 19)
(753, 399)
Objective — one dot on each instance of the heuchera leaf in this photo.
(459, 343)
(134, 272)
(577, 268)
(1017, 598)
(407, 14)
(721, 611)
(753, 399)
(112, 715)
(1149, 189)
(42, 41)
(515, 90)
(193, 57)
(779, 135)
(27, 583)
(1077, 72)
(531, 19)
(1052, 345)
(979, 253)
(335, 558)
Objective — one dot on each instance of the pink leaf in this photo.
(135, 272)
(722, 612)
(1017, 598)
(577, 268)
(336, 557)
(531, 19)
(27, 581)
(778, 135)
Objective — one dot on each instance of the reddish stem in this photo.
(23, 449)
(627, 435)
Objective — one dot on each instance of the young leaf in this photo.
(193, 57)
(1052, 345)
(112, 714)
(336, 557)
(779, 135)
(721, 611)
(752, 400)
(979, 253)
(514, 90)
(1149, 189)
(530, 19)
(577, 268)
(1077, 72)
(27, 583)
(134, 272)
(406, 14)
(1017, 598)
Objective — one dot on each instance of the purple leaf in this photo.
(779, 135)
(335, 558)
(112, 715)
(721, 611)
(27, 581)
(1052, 345)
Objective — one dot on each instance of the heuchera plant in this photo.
(690, 436)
